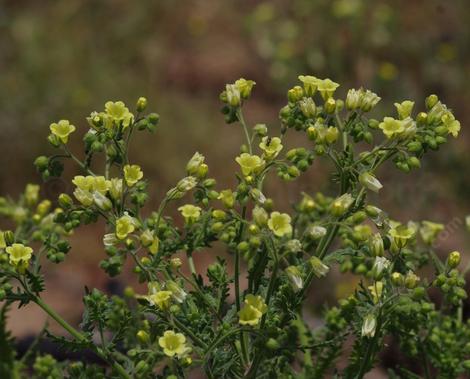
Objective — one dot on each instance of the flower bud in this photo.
(316, 232)
(397, 279)
(431, 100)
(143, 337)
(404, 109)
(411, 280)
(9, 237)
(295, 277)
(42, 163)
(260, 216)
(330, 105)
(340, 205)
(307, 107)
(175, 263)
(454, 259)
(102, 201)
(260, 130)
(65, 201)
(295, 94)
(376, 245)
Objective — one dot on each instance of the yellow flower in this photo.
(190, 212)
(391, 127)
(124, 226)
(173, 343)
(100, 184)
(84, 197)
(310, 84)
(401, 234)
(376, 291)
(31, 194)
(62, 130)
(18, 253)
(132, 174)
(404, 108)
(118, 112)
(84, 183)
(2, 240)
(279, 223)
(227, 197)
(327, 87)
(161, 299)
(249, 163)
(452, 125)
(249, 315)
(429, 231)
(245, 87)
(256, 302)
(253, 310)
(115, 188)
(271, 146)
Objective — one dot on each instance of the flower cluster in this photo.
(244, 315)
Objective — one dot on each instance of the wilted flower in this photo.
(354, 99)
(260, 216)
(318, 267)
(376, 245)
(377, 288)
(233, 95)
(369, 181)
(194, 163)
(295, 277)
(380, 264)
(308, 107)
(340, 205)
(178, 293)
(368, 326)
(369, 100)
(186, 184)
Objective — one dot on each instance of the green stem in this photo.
(188, 332)
(245, 129)
(77, 335)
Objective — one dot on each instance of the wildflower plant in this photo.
(217, 321)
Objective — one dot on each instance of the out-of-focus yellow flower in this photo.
(376, 291)
(160, 298)
(31, 194)
(227, 197)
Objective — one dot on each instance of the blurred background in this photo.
(64, 59)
